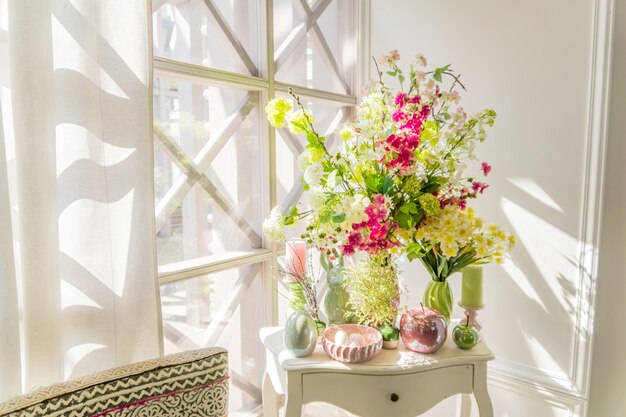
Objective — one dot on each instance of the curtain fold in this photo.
(83, 197)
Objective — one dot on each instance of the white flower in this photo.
(313, 174)
(303, 161)
(315, 198)
(421, 60)
(354, 207)
(274, 226)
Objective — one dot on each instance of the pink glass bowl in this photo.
(371, 346)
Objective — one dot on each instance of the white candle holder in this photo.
(472, 314)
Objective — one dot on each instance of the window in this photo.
(219, 167)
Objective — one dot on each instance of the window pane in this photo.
(214, 33)
(315, 44)
(208, 178)
(211, 310)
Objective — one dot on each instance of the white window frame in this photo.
(268, 87)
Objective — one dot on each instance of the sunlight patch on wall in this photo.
(521, 280)
(534, 190)
(544, 360)
(554, 253)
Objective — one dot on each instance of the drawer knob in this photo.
(394, 397)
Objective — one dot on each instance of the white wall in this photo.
(539, 64)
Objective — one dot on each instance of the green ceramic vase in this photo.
(337, 297)
(438, 295)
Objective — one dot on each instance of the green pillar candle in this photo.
(472, 286)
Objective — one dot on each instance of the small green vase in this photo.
(438, 295)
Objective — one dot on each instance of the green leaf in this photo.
(439, 71)
(417, 217)
(414, 251)
(387, 185)
(433, 184)
(429, 266)
(373, 182)
(430, 187)
(405, 221)
(392, 73)
(441, 267)
(401, 78)
(301, 125)
(339, 217)
(325, 216)
(409, 207)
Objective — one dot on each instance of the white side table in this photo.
(398, 383)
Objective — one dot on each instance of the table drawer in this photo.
(402, 395)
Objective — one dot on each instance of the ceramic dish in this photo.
(351, 343)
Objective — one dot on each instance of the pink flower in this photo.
(486, 168)
(400, 99)
(479, 187)
(398, 115)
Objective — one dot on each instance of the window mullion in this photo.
(192, 72)
(184, 270)
(271, 287)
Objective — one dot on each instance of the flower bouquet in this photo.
(396, 184)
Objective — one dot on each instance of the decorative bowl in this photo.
(368, 344)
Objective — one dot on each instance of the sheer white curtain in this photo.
(77, 262)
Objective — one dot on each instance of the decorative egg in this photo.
(354, 345)
(342, 338)
(357, 338)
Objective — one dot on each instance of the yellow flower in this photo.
(277, 110)
(429, 131)
(316, 155)
(300, 122)
(449, 251)
(345, 133)
(429, 203)
(449, 239)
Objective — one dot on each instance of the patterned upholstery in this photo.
(188, 384)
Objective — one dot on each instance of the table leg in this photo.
(293, 402)
(464, 405)
(270, 398)
(485, 409)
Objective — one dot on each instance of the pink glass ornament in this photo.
(423, 329)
